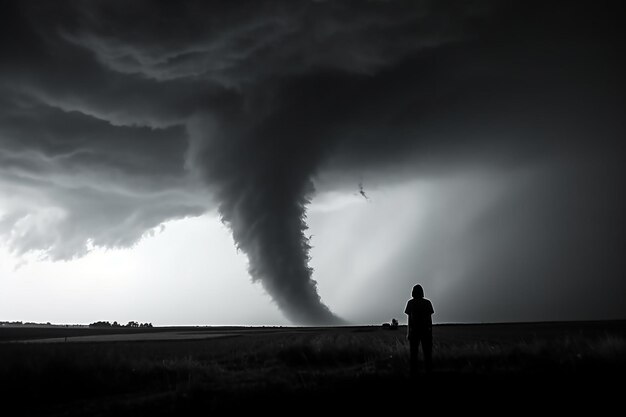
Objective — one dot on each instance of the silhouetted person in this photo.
(420, 329)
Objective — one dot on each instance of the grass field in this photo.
(525, 365)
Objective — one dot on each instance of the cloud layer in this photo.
(115, 118)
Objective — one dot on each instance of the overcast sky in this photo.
(308, 162)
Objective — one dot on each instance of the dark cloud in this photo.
(117, 117)
(541, 242)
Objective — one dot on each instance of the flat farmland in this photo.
(174, 370)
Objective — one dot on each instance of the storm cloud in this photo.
(116, 117)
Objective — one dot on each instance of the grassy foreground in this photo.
(357, 368)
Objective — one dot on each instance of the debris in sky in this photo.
(362, 191)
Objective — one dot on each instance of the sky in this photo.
(308, 162)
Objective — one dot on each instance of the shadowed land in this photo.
(524, 365)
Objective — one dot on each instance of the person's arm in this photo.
(407, 310)
(408, 331)
(432, 311)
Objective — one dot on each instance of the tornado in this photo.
(269, 226)
(263, 181)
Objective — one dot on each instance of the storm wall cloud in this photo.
(116, 117)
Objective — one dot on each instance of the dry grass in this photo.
(157, 376)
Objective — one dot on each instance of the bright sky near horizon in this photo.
(190, 273)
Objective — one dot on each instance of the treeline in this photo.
(19, 323)
(116, 324)
(35, 324)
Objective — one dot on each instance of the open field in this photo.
(168, 371)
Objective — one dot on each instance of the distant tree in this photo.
(392, 326)
(100, 324)
(131, 323)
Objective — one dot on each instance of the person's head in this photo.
(418, 291)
